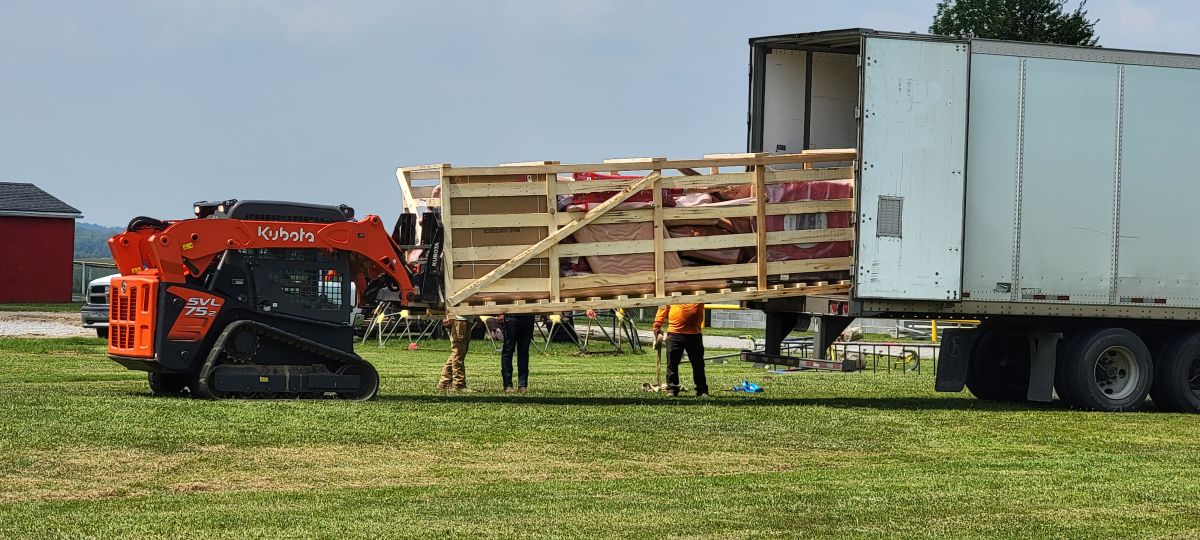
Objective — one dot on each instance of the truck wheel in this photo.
(167, 384)
(102, 332)
(999, 369)
(1106, 370)
(1177, 375)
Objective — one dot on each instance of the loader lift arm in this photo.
(185, 248)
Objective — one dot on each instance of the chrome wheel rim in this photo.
(1116, 373)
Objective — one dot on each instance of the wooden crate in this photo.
(504, 235)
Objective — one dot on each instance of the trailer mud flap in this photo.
(954, 357)
(1041, 373)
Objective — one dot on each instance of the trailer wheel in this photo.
(999, 368)
(167, 384)
(1109, 369)
(1177, 375)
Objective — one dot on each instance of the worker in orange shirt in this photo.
(684, 324)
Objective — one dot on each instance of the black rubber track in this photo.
(344, 360)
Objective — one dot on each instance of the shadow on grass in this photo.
(883, 403)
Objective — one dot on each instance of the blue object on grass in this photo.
(747, 386)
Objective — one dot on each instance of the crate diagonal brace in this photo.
(562, 232)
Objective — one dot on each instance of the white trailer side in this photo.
(1035, 185)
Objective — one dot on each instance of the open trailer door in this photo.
(914, 131)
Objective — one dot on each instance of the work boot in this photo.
(509, 390)
(673, 392)
(464, 390)
(701, 393)
(522, 390)
(441, 387)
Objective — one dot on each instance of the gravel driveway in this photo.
(42, 324)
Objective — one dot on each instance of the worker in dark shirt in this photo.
(684, 324)
(518, 333)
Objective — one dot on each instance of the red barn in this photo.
(37, 243)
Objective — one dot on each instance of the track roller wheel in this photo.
(368, 381)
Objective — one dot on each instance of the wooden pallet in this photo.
(536, 185)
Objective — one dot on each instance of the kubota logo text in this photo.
(280, 233)
(202, 307)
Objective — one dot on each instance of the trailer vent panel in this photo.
(889, 217)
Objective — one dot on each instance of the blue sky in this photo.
(126, 108)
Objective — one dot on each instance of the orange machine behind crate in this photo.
(255, 298)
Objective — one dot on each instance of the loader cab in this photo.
(298, 282)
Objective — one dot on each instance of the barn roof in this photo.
(20, 199)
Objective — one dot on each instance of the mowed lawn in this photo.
(85, 451)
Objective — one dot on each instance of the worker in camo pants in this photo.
(684, 324)
(454, 373)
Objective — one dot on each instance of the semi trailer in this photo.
(1048, 190)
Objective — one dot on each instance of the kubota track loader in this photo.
(252, 299)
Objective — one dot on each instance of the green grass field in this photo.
(86, 452)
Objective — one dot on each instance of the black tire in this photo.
(1107, 369)
(102, 332)
(167, 384)
(1176, 384)
(1000, 364)
(1065, 348)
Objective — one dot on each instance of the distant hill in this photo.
(91, 240)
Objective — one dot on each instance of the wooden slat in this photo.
(780, 238)
(497, 189)
(528, 163)
(509, 285)
(707, 181)
(660, 232)
(592, 186)
(723, 241)
(552, 253)
(716, 241)
(772, 159)
(614, 216)
(621, 247)
(810, 265)
(648, 301)
(607, 280)
(503, 220)
(808, 175)
(551, 239)
(760, 202)
(810, 207)
(720, 271)
(750, 210)
(409, 200)
(592, 249)
(735, 156)
(712, 212)
(490, 253)
(634, 160)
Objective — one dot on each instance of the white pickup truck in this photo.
(95, 312)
